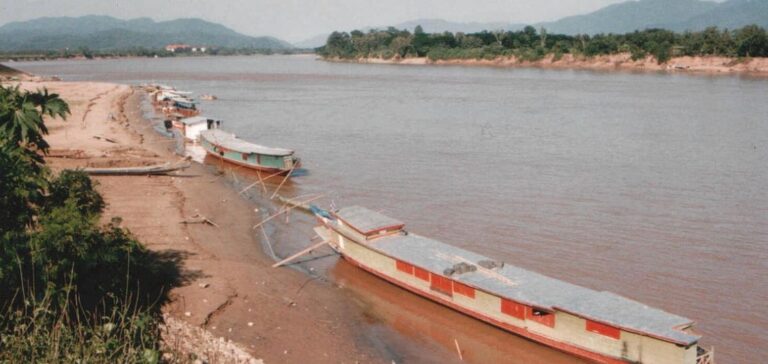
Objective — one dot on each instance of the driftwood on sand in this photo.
(199, 219)
(164, 168)
(99, 137)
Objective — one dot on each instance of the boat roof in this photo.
(367, 221)
(194, 120)
(182, 99)
(527, 287)
(231, 142)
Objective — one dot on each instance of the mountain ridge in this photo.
(98, 32)
(625, 17)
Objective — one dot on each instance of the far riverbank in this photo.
(622, 62)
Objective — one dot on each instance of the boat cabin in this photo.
(192, 126)
(226, 146)
(597, 325)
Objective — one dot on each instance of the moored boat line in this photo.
(600, 326)
(183, 114)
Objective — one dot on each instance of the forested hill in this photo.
(107, 33)
(624, 17)
(678, 15)
(530, 44)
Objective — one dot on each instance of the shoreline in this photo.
(230, 292)
(710, 65)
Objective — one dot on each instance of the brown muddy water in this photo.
(652, 186)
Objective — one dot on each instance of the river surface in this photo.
(652, 186)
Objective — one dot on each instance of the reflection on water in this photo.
(425, 323)
(651, 186)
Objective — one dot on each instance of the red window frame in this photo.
(404, 267)
(422, 274)
(442, 285)
(603, 329)
(543, 317)
(514, 309)
(463, 289)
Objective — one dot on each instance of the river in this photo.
(649, 185)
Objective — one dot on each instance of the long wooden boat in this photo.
(138, 171)
(226, 146)
(600, 326)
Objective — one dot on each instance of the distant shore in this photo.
(621, 61)
(31, 57)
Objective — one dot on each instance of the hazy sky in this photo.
(296, 20)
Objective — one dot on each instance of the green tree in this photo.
(21, 116)
(752, 41)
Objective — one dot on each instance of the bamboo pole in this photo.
(284, 210)
(269, 243)
(305, 251)
(261, 181)
(281, 183)
(263, 187)
(293, 200)
(458, 349)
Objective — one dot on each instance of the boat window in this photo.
(463, 289)
(513, 308)
(421, 273)
(543, 317)
(245, 156)
(404, 267)
(442, 285)
(603, 329)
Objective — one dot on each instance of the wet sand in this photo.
(230, 288)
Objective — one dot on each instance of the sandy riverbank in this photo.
(623, 62)
(230, 291)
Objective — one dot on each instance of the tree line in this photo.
(530, 44)
(85, 52)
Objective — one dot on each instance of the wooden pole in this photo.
(305, 251)
(458, 349)
(269, 243)
(257, 182)
(281, 183)
(263, 187)
(284, 210)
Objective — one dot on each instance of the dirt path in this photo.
(229, 287)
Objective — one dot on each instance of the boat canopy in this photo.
(523, 286)
(194, 120)
(366, 221)
(231, 142)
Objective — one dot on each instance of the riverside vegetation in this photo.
(531, 45)
(72, 290)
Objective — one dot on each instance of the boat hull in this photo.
(270, 170)
(568, 348)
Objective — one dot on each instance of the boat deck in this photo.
(527, 287)
(230, 142)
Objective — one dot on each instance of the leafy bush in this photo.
(73, 291)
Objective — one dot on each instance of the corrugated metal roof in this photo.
(229, 141)
(367, 221)
(531, 288)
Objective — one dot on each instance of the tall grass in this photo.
(120, 330)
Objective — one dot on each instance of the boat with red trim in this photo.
(601, 326)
